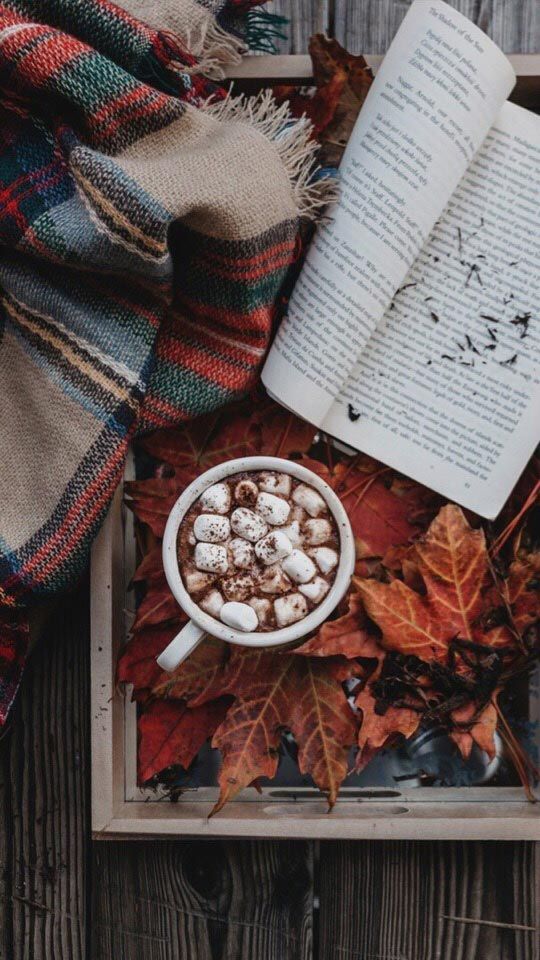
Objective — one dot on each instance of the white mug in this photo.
(201, 623)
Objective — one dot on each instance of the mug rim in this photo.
(284, 635)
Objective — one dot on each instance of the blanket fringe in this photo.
(264, 30)
(293, 139)
(215, 49)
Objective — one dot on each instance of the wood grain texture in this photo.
(429, 901)
(6, 925)
(368, 26)
(44, 821)
(306, 17)
(202, 900)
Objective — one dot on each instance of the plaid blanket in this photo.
(146, 225)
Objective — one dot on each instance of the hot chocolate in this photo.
(258, 551)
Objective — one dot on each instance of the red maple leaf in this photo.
(170, 733)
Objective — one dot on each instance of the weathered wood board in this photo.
(367, 26)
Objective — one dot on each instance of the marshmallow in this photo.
(216, 499)
(299, 567)
(192, 539)
(292, 531)
(275, 483)
(212, 603)
(316, 590)
(241, 553)
(317, 531)
(274, 546)
(289, 609)
(309, 499)
(195, 581)
(211, 557)
(262, 608)
(325, 558)
(240, 616)
(248, 525)
(211, 528)
(246, 493)
(297, 513)
(273, 509)
(239, 587)
(273, 580)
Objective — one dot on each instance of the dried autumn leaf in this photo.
(379, 726)
(282, 433)
(481, 731)
(346, 636)
(137, 663)
(342, 81)
(276, 692)
(152, 500)
(199, 678)
(453, 563)
(150, 569)
(522, 591)
(172, 733)
(380, 517)
(158, 606)
(408, 622)
(199, 444)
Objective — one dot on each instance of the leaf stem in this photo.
(509, 529)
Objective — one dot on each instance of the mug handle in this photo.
(180, 648)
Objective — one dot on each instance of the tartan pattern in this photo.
(120, 312)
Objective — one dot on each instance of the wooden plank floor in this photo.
(65, 898)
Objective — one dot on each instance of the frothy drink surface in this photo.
(258, 551)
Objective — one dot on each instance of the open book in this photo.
(413, 332)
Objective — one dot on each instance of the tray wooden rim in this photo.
(122, 810)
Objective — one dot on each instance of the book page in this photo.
(437, 92)
(448, 387)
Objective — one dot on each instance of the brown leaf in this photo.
(150, 569)
(380, 515)
(347, 636)
(280, 691)
(152, 500)
(137, 663)
(283, 434)
(377, 729)
(197, 680)
(342, 83)
(481, 730)
(158, 606)
(522, 591)
(172, 733)
(202, 443)
(454, 565)
(408, 622)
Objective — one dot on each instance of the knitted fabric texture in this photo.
(144, 243)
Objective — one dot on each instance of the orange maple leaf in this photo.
(378, 728)
(276, 692)
(453, 563)
(199, 678)
(481, 731)
(346, 636)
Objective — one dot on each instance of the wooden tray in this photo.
(121, 809)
